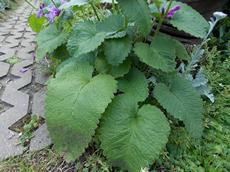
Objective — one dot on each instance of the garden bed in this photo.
(124, 97)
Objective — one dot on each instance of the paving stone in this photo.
(7, 55)
(10, 44)
(20, 109)
(41, 139)
(40, 76)
(26, 77)
(38, 106)
(1, 38)
(9, 144)
(4, 68)
(16, 38)
(24, 54)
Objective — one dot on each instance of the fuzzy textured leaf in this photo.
(49, 39)
(74, 104)
(116, 50)
(102, 66)
(182, 101)
(189, 21)
(135, 85)
(137, 11)
(181, 51)
(133, 138)
(160, 54)
(112, 24)
(85, 38)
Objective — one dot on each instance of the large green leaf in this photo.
(131, 137)
(88, 36)
(74, 103)
(85, 38)
(116, 50)
(135, 85)
(102, 66)
(112, 24)
(190, 21)
(182, 101)
(36, 24)
(181, 51)
(160, 54)
(49, 39)
(137, 11)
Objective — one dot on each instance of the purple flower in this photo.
(39, 12)
(173, 11)
(53, 12)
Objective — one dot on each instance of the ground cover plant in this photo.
(121, 83)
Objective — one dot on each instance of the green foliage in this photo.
(87, 36)
(13, 60)
(36, 24)
(189, 21)
(109, 46)
(116, 50)
(74, 104)
(102, 66)
(160, 54)
(49, 39)
(134, 85)
(182, 101)
(44, 160)
(94, 163)
(85, 39)
(181, 51)
(212, 153)
(27, 133)
(131, 136)
(137, 11)
(112, 24)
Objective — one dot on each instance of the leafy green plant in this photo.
(212, 153)
(27, 133)
(119, 81)
(95, 163)
(13, 60)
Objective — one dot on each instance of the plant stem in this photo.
(31, 4)
(54, 3)
(113, 6)
(163, 17)
(95, 11)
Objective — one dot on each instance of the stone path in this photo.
(21, 83)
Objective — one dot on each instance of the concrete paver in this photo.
(17, 81)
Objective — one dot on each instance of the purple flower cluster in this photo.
(39, 12)
(50, 11)
(173, 11)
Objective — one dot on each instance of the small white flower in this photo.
(219, 15)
